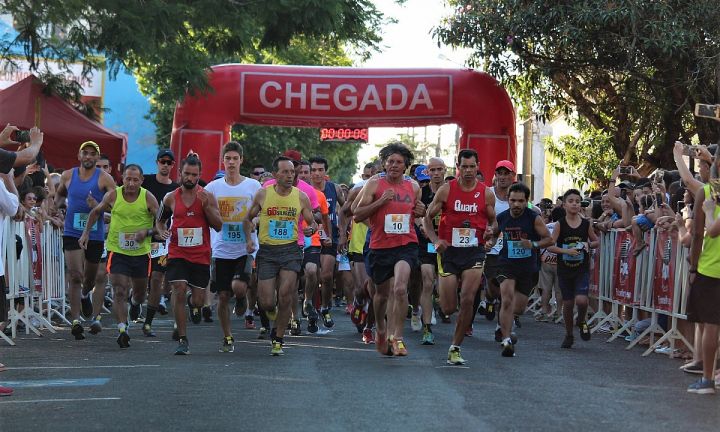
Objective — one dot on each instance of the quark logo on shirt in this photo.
(465, 208)
(282, 211)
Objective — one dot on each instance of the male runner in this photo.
(466, 223)
(572, 239)
(159, 185)
(194, 211)
(278, 256)
(234, 194)
(328, 254)
(84, 187)
(523, 232)
(390, 203)
(128, 242)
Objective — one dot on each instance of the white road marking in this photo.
(82, 367)
(57, 400)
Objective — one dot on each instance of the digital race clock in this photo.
(344, 134)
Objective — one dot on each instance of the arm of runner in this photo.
(432, 211)
(491, 216)
(419, 209)
(698, 233)
(153, 208)
(367, 206)
(164, 214)
(106, 204)
(311, 225)
(211, 209)
(247, 224)
(553, 247)
(545, 238)
(61, 192)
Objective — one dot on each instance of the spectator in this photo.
(21, 158)
(9, 205)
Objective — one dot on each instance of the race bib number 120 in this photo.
(516, 250)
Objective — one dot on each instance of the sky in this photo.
(409, 43)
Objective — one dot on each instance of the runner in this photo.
(84, 187)
(231, 276)
(468, 212)
(194, 211)
(328, 254)
(279, 256)
(390, 203)
(99, 295)
(159, 185)
(128, 242)
(572, 239)
(523, 232)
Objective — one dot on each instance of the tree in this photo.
(632, 69)
(422, 150)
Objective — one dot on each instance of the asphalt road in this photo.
(335, 383)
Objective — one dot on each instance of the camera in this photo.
(625, 169)
(22, 136)
(585, 203)
(707, 111)
(689, 150)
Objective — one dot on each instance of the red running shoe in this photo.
(367, 336)
(356, 314)
(382, 344)
(250, 322)
(6, 391)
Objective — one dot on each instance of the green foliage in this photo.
(422, 150)
(633, 69)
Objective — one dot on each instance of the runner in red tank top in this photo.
(468, 216)
(194, 211)
(390, 203)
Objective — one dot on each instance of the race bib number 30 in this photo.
(80, 222)
(397, 223)
(281, 230)
(464, 237)
(516, 250)
(233, 233)
(127, 242)
(190, 237)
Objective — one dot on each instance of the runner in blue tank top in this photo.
(80, 190)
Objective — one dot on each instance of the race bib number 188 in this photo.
(281, 230)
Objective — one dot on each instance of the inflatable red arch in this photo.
(310, 96)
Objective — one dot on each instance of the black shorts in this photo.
(126, 265)
(577, 284)
(356, 257)
(94, 250)
(456, 260)
(159, 264)
(425, 256)
(224, 271)
(704, 300)
(196, 275)
(491, 268)
(311, 255)
(524, 281)
(271, 259)
(329, 250)
(382, 261)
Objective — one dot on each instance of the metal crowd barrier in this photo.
(34, 286)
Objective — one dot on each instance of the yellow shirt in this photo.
(279, 217)
(709, 263)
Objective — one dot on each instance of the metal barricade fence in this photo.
(53, 275)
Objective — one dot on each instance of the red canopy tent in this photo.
(24, 105)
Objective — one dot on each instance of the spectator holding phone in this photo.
(21, 158)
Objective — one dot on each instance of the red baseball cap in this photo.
(505, 164)
(293, 154)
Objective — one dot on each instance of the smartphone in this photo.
(22, 136)
(689, 150)
(707, 111)
(659, 199)
(40, 159)
(625, 169)
(659, 174)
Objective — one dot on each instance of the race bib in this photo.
(158, 249)
(321, 232)
(233, 233)
(281, 230)
(516, 250)
(308, 242)
(464, 237)
(80, 222)
(397, 223)
(431, 248)
(343, 262)
(127, 241)
(189, 237)
(570, 258)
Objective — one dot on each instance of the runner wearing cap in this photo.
(133, 212)
(279, 258)
(390, 202)
(466, 223)
(159, 185)
(83, 187)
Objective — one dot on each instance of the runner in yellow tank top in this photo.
(131, 227)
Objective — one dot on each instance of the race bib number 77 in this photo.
(189, 237)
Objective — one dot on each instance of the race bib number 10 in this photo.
(80, 222)
(397, 223)
(464, 237)
(189, 237)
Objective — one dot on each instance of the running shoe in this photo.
(498, 335)
(77, 330)
(295, 327)
(367, 336)
(240, 306)
(195, 315)
(207, 314)
(183, 347)
(454, 357)
(175, 335)
(398, 348)
(5, 391)
(263, 331)
(584, 331)
(490, 310)
(382, 344)
(568, 342)
(327, 318)
(482, 307)
(702, 386)
(228, 345)
(134, 311)
(356, 314)
(95, 326)
(415, 322)
(123, 340)
(428, 338)
(276, 348)
(86, 306)
(312, 325)
(469, 331)
(250, 322)
(272, 314)
(516, 321)
(147, 331)
(508, 350)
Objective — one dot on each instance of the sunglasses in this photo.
(166, 162)
(258, 173)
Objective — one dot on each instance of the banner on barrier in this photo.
(624, 269)
(663, 282)
(594, 285)
(32, 233)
